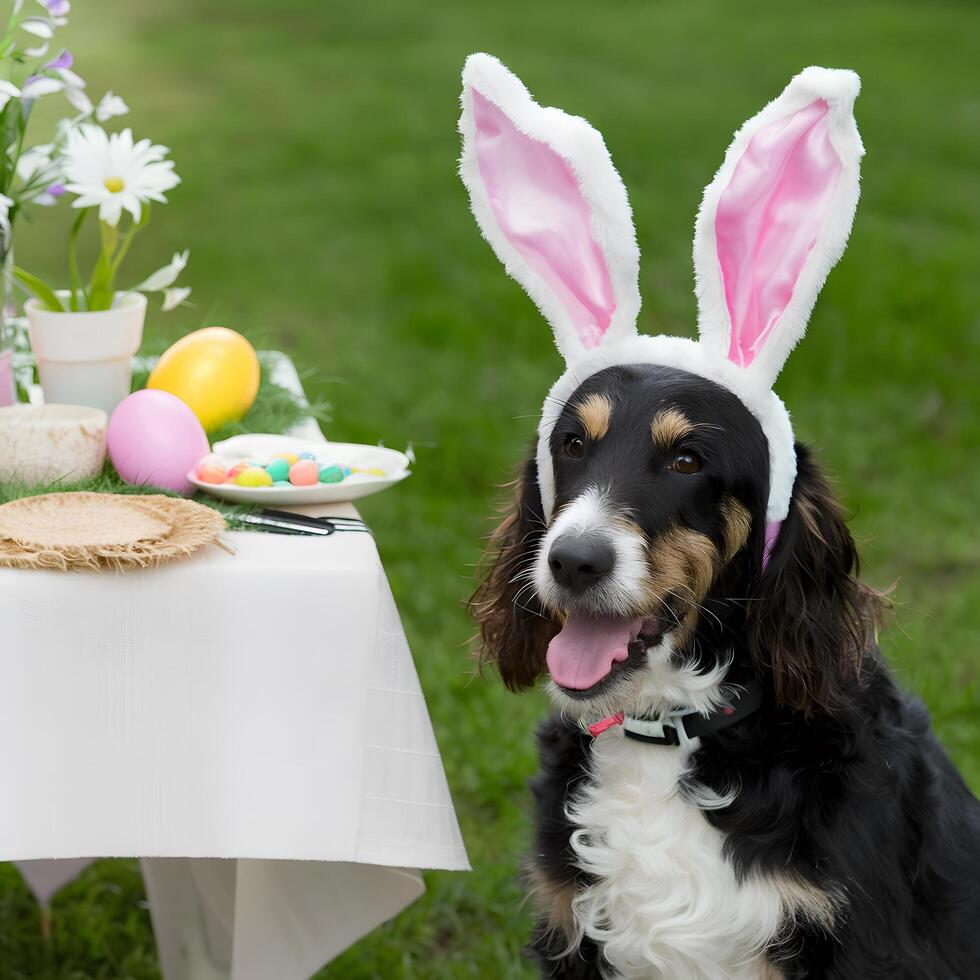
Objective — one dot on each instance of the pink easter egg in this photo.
(304, 473)
(155, 439)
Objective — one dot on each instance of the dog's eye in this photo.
(686, 463)
(574, 447)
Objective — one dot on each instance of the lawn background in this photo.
(317, 145)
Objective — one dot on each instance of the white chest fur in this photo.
(666, 902)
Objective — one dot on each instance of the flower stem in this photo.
(76, 284)
(100, 290)
(123, 249)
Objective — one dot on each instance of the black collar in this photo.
(681, 726)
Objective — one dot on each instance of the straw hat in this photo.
(102, 530)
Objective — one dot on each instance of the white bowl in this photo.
(41, 444)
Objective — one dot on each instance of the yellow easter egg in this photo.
(215, 371)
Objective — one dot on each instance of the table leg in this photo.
(257, 920)
(292, 917)
(192, 908)
(45, 877)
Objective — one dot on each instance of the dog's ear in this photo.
(514, 630)
(812, 620)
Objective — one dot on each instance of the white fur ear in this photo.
(775, 220)
(550, 203)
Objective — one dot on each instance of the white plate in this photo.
(261, 446)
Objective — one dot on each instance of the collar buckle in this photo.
(666, 730)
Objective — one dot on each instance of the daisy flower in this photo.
(115, 174)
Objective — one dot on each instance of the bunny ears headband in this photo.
(773, 223)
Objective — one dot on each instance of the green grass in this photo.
(317, 145)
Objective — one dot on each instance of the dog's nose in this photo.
(578, 561)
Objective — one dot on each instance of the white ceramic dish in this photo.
(260, 446)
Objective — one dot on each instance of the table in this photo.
(249, 725)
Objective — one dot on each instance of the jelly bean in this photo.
(347, 471)
(255, 476)
(303, 473)
(307, 456)
(331, 474)
(281, 483)
(236, 469)
(370, 471)
(212, 473)
(278, 469)
(288, 457)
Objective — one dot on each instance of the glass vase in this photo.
(8, 390)
(8, 310)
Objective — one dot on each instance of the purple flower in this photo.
(64, 60)
(57, 8)
(56, 190)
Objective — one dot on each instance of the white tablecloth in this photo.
(251, 725)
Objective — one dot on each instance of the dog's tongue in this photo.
(586, 649)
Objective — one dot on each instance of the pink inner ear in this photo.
(539, 207)
(768, 219)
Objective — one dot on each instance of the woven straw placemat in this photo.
(102, 530)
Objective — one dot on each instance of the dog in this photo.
(732, 784)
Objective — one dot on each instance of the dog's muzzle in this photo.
(580, 561)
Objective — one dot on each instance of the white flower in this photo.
(166, 276)
(38, 26)
(33, 160)
(6, 203)
(38, 85)
(50, 197)
(111, 105)
(74, 87)
(172, 298)
(80, 102)
(115, 173)
(57, 10)
(8, 91)
(39, 171)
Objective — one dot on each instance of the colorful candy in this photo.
(254, 476)
(304, 473)
(212, 473)
(279, 470)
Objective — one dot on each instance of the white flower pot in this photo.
(86, 358)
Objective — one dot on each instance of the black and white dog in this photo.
(733, 784)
